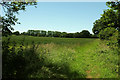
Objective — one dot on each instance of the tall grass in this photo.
(55, 58)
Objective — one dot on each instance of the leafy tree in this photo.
(24, 33)
(30, 32)
(70, 35)
(10, 10)
(63, 34)
(57, 34)
(36, 32)
(97, 26)
(108, 19)
(16, 33)
(50, 33)
(116, 6)
(43, 33)
(107, 33)
(110, 34)
(77, 35)
(85, 34)
(108, 26)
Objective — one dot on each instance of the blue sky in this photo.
(60, 16)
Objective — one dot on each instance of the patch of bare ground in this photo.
(89, 76)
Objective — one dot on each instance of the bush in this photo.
(110, 35)
(107, 33)
(19, 62)
(113, 41)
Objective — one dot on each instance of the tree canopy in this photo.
(109, 23)
(10, 10)
(43, 33)
(110, 18)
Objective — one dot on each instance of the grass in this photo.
(72, 57)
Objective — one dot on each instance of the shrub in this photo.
(110, 35)
(113, 41)
(107, 33)
(19, 62)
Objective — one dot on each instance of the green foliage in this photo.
(56, 34)
(113, 5)
(23, 62)
(113, 41)
(16, 33)
(85, 34)
(108, 19)
(97, 27)
(108, 26)
(24, 33)
(19, 61)
(63, 34)
(50, 33)
(107, 33)
(116, 6)
(94, 36)
(61, 58)
(42, 33)
(111, 36)
(70, 35)
(9, 18)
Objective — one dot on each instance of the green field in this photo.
(71, 57)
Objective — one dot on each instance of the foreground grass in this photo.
(72, 57)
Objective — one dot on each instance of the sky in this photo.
(60, 16)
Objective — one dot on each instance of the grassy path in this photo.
(84, 60)
(96, 60)
(90, 60)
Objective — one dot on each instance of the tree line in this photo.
(43, 33)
